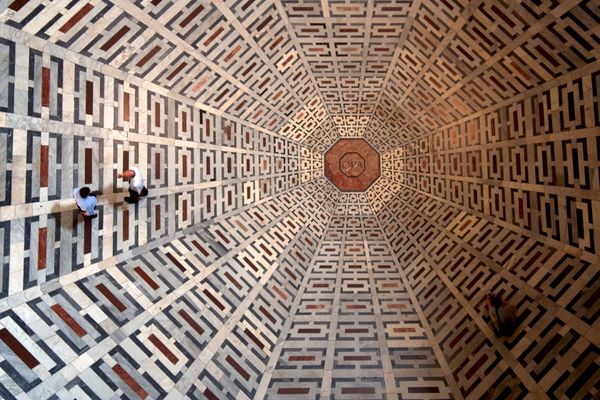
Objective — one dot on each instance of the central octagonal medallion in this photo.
(352, 165)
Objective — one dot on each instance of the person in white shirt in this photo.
(136, 184)
(86, 201)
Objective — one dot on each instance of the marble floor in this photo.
(334, 187)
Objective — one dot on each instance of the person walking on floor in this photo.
(86, 202)
(136, 184)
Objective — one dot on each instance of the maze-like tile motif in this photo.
(532, 163)
(458, 58)
(453, 258)
(245, 274)
(235, 58)
(72, 123)
(196, 316)
(349, 47)
(355, 332)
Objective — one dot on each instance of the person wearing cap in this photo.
(86, 202)
(136, 184)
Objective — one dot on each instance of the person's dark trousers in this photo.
(134, 196)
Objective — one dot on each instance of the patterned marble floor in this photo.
(245, 274)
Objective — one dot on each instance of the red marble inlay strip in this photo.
(111, 297)
(222, 236)
(199, 247)
(45, 87)
(125, 225)
(157, 166)
(43, 165)
(238, 368)
(233, 281)
(184, 162)
(148, 56)
(247, 4)
(66, 317)
(214, 299)
(476, 366)
(163, 349)
(18, 348)
(151, 282)
(157, 217)
(128, 379)
(309, 330)
(250, 264)
(267, 314)
(87, 236)
(276, 42)
(423, 389)
(125, 160)
(111, 42)
(191, 16)
(125, 106)
(254, 338)
(191, 322)
(176, 71)
(521, 208)
(76, 18)
(183, 121)
(176, 262)
(41, 264)
(17, 4)
(157, 114)
(280, 293)
(504, 17)
(88, 166)
(413, 357)
(89, 97)
(301, 358)
(232, 53)
(292, 391)
(209, 395)
(212, 37)
(264, 23)
(357, 330)
(184, 206)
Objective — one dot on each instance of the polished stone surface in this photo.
(352, 165)
(246, 274)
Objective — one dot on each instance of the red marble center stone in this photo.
(352, 165)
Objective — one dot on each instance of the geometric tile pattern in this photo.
(356, 331)
(312, 164)
(245, 273)
(75, 123)
(453, 258)
(349, 47)
(238, 59)
(197, 316)
(458, 58)
(531, 163)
